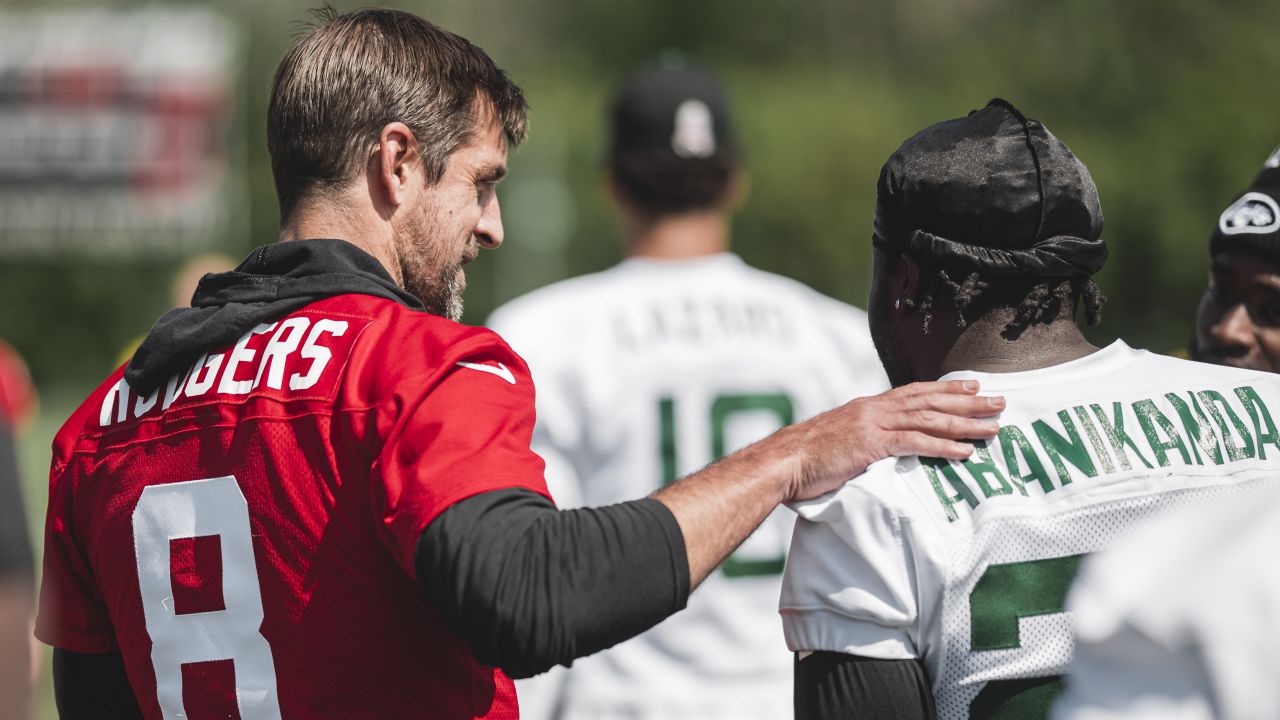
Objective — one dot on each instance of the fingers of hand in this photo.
(947, 426)
(917, 443)
(952, 387)
(963, 405)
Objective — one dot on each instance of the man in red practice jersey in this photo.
(311, 494)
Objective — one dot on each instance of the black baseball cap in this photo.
(672, 110)
(1252, 220)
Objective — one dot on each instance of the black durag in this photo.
(995, 193)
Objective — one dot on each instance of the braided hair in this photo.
(1042, 303)
(1027, 239)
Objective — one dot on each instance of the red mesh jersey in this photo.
(245, 535)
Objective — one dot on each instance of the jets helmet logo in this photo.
(1253, 213)
(694, 135)
(1273, 160)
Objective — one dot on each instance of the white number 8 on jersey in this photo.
(198, 509)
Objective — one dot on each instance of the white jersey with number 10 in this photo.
(645, 373)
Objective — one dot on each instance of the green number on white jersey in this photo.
(722, 409)
(1004, 595)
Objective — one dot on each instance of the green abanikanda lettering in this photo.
(1209, 431)
(1258, 413)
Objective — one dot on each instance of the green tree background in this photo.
(1166, 101)
(1163, 99)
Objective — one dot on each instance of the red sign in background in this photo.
(117, 131)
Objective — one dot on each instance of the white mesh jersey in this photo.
(647, 372)
(967, 564)
(1180, 621)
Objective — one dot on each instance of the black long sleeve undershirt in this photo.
(835, 686)
(92, 686)
(530, 587)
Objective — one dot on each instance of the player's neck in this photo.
(986, 346)
(673, 237)
(311, 221)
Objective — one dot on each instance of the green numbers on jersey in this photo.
(723, 408)
(1004, 595)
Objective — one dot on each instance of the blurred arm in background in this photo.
(16, 587)
(18, 403)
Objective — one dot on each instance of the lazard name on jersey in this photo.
(1194, 427)
(697, 320)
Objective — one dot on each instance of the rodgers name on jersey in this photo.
(293, 354)
(966, 565)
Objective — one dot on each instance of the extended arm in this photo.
(530, 586)
(720, 506)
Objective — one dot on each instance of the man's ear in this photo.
(395, 160)
(738, 189)
(909, 278)
(899, 277)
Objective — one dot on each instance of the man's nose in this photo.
(489, 229)
(1234, 331)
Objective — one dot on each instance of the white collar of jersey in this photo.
(696, 262)
(1107, 360)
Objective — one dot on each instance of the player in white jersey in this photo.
(658, 366)
(1180, 621)
(1238, 321)
(928, 588)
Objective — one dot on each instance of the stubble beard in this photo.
(441, 293)
(453, 294)
(428, 273)
(438, 284)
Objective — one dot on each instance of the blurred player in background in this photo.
(16, 586)
(17, 408)
(311, 493)
(1180, 621)
(1238, 322)
(928, 586)
(656, 367)
(19, 401)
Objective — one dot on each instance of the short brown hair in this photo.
(355, 73)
